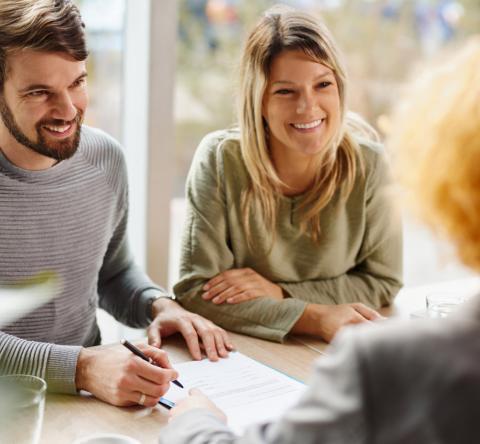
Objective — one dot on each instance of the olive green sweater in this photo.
(358, 259)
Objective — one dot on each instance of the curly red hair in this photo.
(435, 140)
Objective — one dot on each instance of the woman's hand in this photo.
(240, 285)
(325, 320)
(196, 400)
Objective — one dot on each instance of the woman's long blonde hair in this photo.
(281, 29)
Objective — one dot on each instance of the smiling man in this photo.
(63, 208)
(47, 95)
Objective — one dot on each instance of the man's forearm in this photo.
(54, 363)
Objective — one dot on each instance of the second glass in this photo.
(22, 404)
(442, 304)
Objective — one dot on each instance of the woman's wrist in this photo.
(277, 291)
(311, 319)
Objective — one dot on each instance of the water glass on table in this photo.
(106, 438)
(442, 304)
(22, 403)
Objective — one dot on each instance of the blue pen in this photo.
(166, 403)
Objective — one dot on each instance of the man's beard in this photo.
(61, 150)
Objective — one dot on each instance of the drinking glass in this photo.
(442, 304)
(22, 402)
(106, 438)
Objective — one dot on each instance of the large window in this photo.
(104, 20)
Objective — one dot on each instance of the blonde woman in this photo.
(410, 382)
(289, 226)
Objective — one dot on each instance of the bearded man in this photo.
(64, 208)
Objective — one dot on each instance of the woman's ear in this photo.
(264, 108)
(265, 125)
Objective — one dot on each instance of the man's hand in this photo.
(196, 400)
(115, 375)
(240, 285)
(170, 318)
(326, 320)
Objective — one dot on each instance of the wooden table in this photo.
(71, 417)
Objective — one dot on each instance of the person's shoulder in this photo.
(431, 363)
(408, 342)
(375, 168)
(372, 152)
(99, 147)
(218, 145)
(103, 153)
(220, 141)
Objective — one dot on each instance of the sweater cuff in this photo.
(278, 328)
(143, 305)
(266, 319)
(296, 309)
(61, 369)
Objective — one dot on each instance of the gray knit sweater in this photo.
(70, 219)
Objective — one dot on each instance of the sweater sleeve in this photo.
(206, 253)
(122, 285)
(54, 363)
(377, 277)
(333, 410)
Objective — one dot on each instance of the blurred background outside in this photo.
(384, 42)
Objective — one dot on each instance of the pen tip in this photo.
(177, 383)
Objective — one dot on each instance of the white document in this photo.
(246, 390)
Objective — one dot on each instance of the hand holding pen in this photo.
(120, 378)
(141, 355)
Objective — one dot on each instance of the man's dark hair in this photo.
(41, 25)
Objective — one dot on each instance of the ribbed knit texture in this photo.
(358, 258)
(70, 219)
